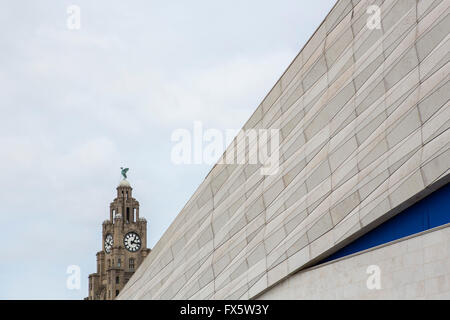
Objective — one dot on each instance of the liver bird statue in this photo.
(124, 172)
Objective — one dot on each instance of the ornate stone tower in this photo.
(124, 245)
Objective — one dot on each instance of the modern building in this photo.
(360, 204)
(124, 246)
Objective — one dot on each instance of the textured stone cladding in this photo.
(363, 117)
(414, 268)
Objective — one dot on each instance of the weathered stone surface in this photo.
(364, 129)
(415, 268)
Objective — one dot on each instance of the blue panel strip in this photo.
(430, 212)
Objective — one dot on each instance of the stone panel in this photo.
(415, 268)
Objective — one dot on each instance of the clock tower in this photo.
(124, 245)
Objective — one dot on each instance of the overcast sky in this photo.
(77, 105)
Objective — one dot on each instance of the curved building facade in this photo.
(363, 115)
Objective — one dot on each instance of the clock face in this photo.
(109, 241)
(132, 241)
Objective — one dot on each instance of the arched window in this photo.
(128, 215)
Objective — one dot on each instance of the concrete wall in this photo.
(414, 268)
(364, 117)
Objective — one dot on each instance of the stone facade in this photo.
(417, 267)
(364, 118)
(118, 261)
